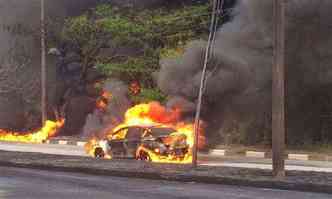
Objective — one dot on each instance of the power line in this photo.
(219, 6)
(219, 12)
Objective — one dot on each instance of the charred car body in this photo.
(142, 143)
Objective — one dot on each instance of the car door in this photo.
(117, 145)
(133, 141)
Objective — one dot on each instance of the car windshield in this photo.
(158, 131)
(136, 132)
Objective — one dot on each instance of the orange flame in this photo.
(101, 105)
(106, 95)
(135, 88)
(154, 114)
(50, 129)
(103, 100)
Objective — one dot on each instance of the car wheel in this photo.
(99, 152)
(144, 156)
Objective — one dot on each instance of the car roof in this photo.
(156, 130)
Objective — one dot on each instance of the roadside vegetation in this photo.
(128, 45)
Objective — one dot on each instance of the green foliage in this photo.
(148, 95)
(82, 31)
(129, 66)
(171, 28)
(155, 33)
(104, 10)
(94, 34)
(123, 31)
(99, 86)
(171, 52)
(87, 37)
(159, 27)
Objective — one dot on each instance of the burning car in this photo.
(148, 132)
(143, 143)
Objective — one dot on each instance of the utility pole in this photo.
(207, 57)
(43, 62)
(278, 90)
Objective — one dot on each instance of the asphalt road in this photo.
(319, 166)
(34, 184)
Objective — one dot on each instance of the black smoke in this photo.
(237, 100)
(100, 121)
(20, 57)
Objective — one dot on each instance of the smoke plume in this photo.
(100, 121)
(20, 57)
(238, 92)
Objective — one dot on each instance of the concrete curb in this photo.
(217, 152)
(303, 157)
(221, 152)
(65, 142)
(255, 154)
(238, 177)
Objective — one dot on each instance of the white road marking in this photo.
(63, 142)
(80, 143)
(218, 152)
(268, 166)
(255, 154)
(298, 156)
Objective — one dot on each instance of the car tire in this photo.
(99, 152)
(144, 156)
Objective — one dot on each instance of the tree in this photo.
(152, 33)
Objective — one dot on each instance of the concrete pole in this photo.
(202, 83)
(278, 91)
(43, 63)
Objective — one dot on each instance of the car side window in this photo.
(121, 134)
(147, 132)
(134, 134)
